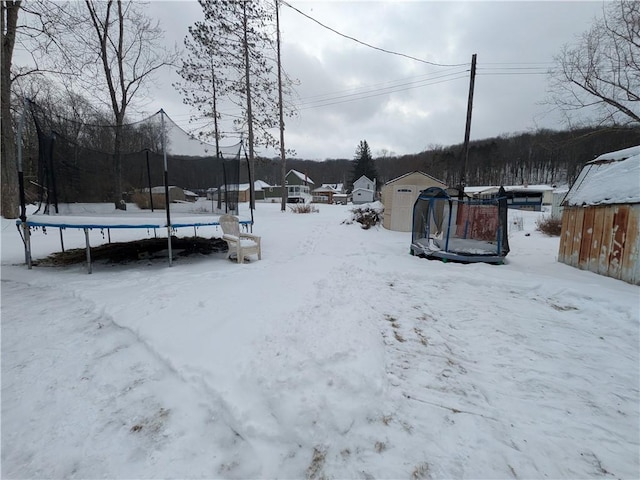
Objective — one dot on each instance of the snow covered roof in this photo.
(336, 187)
(508, 188)
(476, 190)
(619, 154)
(533, 188)
(324, 189)
(611, 178)
(258, 185)
(301, 176)
(160, 189)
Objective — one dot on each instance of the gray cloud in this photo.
(329, 67)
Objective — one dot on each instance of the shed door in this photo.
(404, 196)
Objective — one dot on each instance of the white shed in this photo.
(400, 194)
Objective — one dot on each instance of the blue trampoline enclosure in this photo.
(452, 226)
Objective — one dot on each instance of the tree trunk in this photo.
(9, 195)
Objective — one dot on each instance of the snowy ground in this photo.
(338, 355)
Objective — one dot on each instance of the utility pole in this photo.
(215, 125)
(467, 131)
(283, 158)
(252, 192)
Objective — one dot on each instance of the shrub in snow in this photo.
(303, 208)
(549, 226)
(367, 215)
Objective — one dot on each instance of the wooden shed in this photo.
(601, 217)
(143, 200)
(399, 196)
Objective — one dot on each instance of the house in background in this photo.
(212, 193)
(190, 196)
(244, 191)
(298, 187)
(326, 192)
(399, 196)
(364, 190)
(521, 197)
(155, 198)
(601, 217)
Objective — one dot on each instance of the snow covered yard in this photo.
(338, 355)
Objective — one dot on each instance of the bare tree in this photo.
(127, 43)
(112, 50)
(37, 34)
(232, 50)
(9, 197)
(601, 72)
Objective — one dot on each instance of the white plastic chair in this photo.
(238, 242)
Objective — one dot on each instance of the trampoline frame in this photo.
(86, 223)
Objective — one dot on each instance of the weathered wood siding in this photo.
(602, 239)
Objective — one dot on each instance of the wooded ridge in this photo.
(543, 157)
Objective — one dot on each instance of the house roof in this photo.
(411, 173)
(160, 189)
(365, 177)
(301, 176)
(324, 189)
(336, 187)
(508, 188)
(258, 185)
(609, 179)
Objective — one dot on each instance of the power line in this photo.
(390, 84)
(371, 46)
(489, 74)
(384, 90)
(365, 96)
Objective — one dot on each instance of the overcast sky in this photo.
(409, 106)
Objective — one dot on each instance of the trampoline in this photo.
(72, 173)
(451, 226)
(107, 223)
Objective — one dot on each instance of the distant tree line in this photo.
(543, 157)
(111, 51)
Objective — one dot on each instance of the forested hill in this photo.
(543, 157)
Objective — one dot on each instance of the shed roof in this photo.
(411, 173)
(611, 178)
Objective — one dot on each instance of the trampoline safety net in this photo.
(69, 162)
(448, 224)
